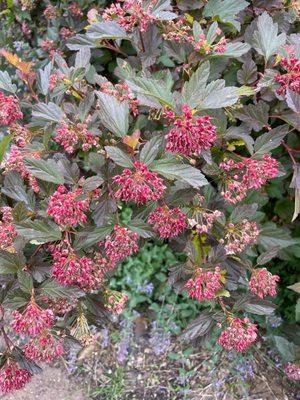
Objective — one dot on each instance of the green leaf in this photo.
(286, 348)
(266, 40)
(248, 74)
(54, 290)
(39, 232)
(240, 212)
(43, 114)
(44, 170)
(291, 118)
(225, 10)
(216, 95)
(141, 227)
(24, 362)
(235, 50)
(119, 157)
(173, 169)
(151, 150)
(44, 76)
(14, 188)
(270, 140)
(256, 116)
(25, 282)
(10, 263)
(267, 256)
(4, 142)
(87, 239)
(293, 100)
(106, 30)
(272, 236)
(241, 133)
(295, 287)
(96, 162)
(297, 311)
(151, 92)
(196, 84)
(6, 83)
(259, 307)
(114, 114)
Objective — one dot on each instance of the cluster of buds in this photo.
(202, 45)
(115, 301)
(9, 109)
(33, 320)
(262, 283)
(74, 9)
(66, 208)
(140, 185)
(66, 33)
(55, 79)
(70, 136)
(60, 306)
(178, 31)
(44, 347)
(15, 162)
(245, 175)
(239, 236)
(167, 222)
(292, 371)
(21, 135)
(131, 14)
(190, 134)
(51, 12)
(204, 285)
(7, 229)
(70, 269)
(123, 93)
(291, 79)
(121, 244)
(203, 220)
(13, 377)
(239, 335)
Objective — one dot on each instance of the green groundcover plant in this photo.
(186, 111)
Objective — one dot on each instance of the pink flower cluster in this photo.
(7, 229)
(74, 9)
(121, 244)
(66, 33)
(54, 79)
(239, 236)
(239, 335)
(190, 134)
(70, 269)
(204, 285)
(292, 371)
(51, 12)
(44, 347)
(246, 174)
(115, 301)
(69, 137)
(65, 207)
(203, 221)
(21, 135)
(60, 306)
(291, 79)
(9, 109)
(140, 185)
(131, 14)
(12, 377)
(262, 283)
(167, 222)
(33, 320)
(202, 45)
(15, 162)
(47, 45)
(123, 93)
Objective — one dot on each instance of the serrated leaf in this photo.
(4, 142)
(69, 171)
(267, 256)
(143, 229)
(43, 114)
(272, 236)
(172, 169)
(248, 73)
(6, 83)
(44, 170)
(114, 114)
(96, 162)
(270, 140)
(255, 116)
(44, 76)
(259, 307)
(106, 30)
(87, 239)
(39, 232)
(10, 263)
(216, 95)
(14, 188)
(293, 100)
(266, 40)
(235, 50)
(25, 282)
(199, 327)
(196, 84)
(54, 290)
(119, 157)
(240, 132)
(105, 207)
(241, 212)
(83, 57)
(225, 10)
(151, 150)
(286, 348)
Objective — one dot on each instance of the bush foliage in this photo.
(187, 111)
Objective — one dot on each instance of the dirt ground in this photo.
(51, 384)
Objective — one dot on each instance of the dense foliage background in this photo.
(99, 85)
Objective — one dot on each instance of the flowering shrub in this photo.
(178, 109)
